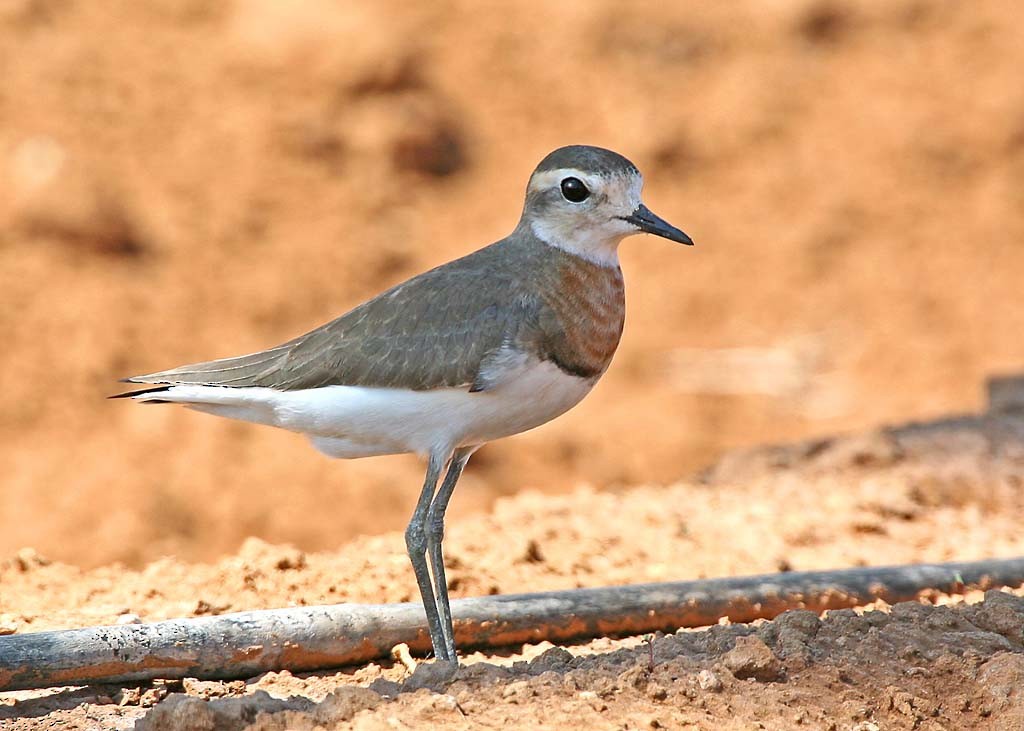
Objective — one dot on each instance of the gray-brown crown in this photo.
(587, 159)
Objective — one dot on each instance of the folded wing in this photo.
(436, 330)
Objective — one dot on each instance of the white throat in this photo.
(586, 243)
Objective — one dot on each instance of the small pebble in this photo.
(707, 680)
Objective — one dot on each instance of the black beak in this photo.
(647, 222)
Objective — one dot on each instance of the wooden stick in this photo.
(316, 638)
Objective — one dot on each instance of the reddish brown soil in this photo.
(190, 179)
(927, 492)
(909, 667)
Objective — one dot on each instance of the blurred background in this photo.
(188, 179)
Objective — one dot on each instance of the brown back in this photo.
(437, 329)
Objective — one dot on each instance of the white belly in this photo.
(357, 421)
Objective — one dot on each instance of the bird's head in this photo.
(585, 200)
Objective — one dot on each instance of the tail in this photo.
(186, 383)
(247, 404)
(145, 392)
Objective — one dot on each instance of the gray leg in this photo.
(435, 534)
(416, 543)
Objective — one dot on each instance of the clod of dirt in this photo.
(346, 702)
(752, 658)
(556, 658)
(433, 675)
(177, 712)
(707, 680)
(180, 711)
(1000, 613)
(791, 634)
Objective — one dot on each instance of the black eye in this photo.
(574, 190)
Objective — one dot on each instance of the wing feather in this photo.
(439, 329)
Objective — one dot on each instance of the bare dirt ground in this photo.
(189, 179)
(925, 492)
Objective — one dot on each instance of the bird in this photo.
(489, 345)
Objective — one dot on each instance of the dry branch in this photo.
(315, 638)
